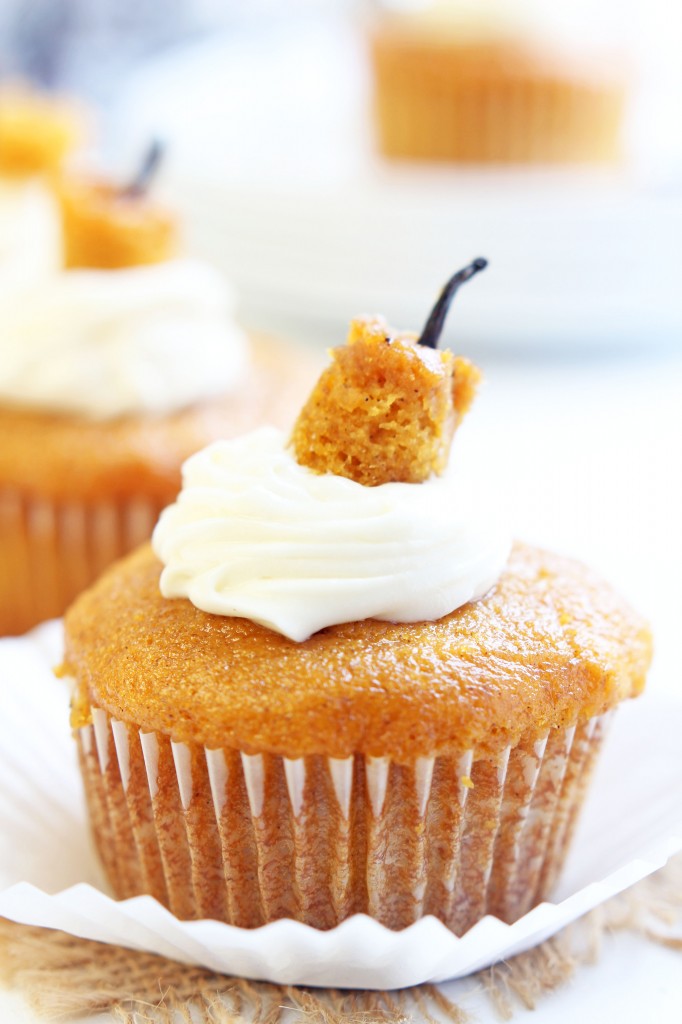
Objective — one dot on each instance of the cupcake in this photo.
(330, 688)
(482, 82)
(112, 373)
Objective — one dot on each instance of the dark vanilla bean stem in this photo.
(433, 328)
(150, 165)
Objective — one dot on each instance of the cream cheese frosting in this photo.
(255, 535)
(30, 235)
(109, 343)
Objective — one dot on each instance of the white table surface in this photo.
(587, 459)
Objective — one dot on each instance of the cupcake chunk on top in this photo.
(386, 409)
(105, 229)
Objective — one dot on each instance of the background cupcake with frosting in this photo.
(113, 371)
(330, 688)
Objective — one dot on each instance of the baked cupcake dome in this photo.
(391, 769)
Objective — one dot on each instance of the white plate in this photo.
(575, 262)
(49, 877)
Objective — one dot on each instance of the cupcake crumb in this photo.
(386, 409)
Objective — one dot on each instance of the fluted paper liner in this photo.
(209, 831)
(249, 838)
(52, 550)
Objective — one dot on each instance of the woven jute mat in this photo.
(63, 977)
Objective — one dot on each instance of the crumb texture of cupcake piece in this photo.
(550, 645)
(386, 409)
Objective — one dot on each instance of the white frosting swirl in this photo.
(30, 235)
(107, 343)
(255, 535)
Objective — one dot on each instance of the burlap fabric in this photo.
(63, 977)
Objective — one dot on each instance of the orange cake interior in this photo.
(385, 409)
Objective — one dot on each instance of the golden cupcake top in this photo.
(110, 226)
(550, 645)
(37, 131)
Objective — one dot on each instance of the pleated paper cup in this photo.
(52, 550)
(436, 104)
(249, 838)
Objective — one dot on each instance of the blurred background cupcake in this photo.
(113, 371)
(483, 81)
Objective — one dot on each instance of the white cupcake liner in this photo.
(49, 876)
(250, 838)
(52, 550)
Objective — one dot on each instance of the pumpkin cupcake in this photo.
(112, 373)
(484, 82)
(330, 688)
